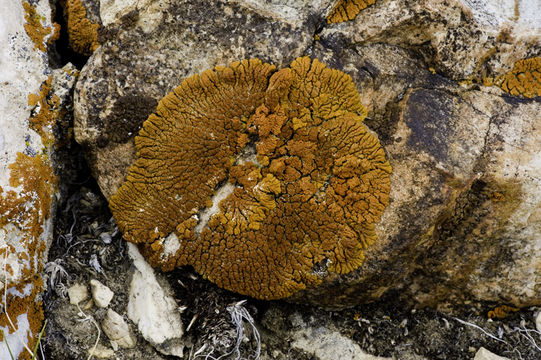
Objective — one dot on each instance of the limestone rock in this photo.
(538, 321)
(33, 98)
(117, 330)
(150, 47)
(152, 308)
(101, 294)
(77, 293)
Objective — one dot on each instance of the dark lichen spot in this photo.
(128, 115)
(429, 115)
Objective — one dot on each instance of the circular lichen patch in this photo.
(264, 181)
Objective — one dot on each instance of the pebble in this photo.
(538, 321)
(101, 352)
(77, 293)
(117, 330)
(484, 354)
(101, 294)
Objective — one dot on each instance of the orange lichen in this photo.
(35, 30)
(262, 180)
(524, 79)
(82, 33)
(27, 209)
(21, 303)
(347, 10)
(501, 312)
(49, 107)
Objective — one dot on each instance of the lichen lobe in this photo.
(524, 79)
(318, 183)
(347, 10)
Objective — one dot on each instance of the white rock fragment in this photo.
(326, 344)
(101, 352)
(538, 321)
(152, 308)
(117, 330)
(77, 293)
(484, 354)
(101, 294)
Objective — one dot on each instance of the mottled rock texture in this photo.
(463, 220)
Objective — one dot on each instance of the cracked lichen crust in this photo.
(293, 179)
(524, 79)
(83, 33)
(347, 10)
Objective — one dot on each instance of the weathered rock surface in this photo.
(463, 220)
(461, 39)
(32, 99)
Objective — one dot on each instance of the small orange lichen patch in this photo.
(35, 30)
(21, 303)
(264, 181)
(83, 33)
(497, 196)
(347, 10)
(49, 108)
(524, 79)
(27, 209)
(501, 312)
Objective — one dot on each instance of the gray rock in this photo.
(33, 98)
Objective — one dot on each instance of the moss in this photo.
(306, 181)
(82, 33)
(523, 80)
(347, 10)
